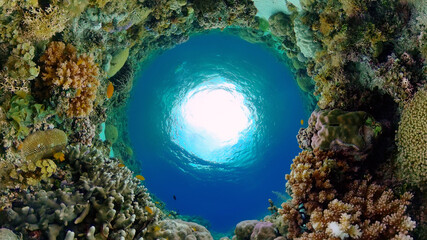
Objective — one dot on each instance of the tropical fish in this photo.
(59, 156)
(174, 197)
(110, 90)
(121, 165)
(148, 209)
(140, 177)
(194, 229)
(156, 228)
(20, 146)
(302, 122)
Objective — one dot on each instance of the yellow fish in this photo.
(121, 165)
(59, 156)
(110, 90)
(302, 122)
(140, 177)
(148, 209)
(194, 229)
(156, 228)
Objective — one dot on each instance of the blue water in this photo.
(235, 184)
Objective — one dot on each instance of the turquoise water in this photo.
(225, 164)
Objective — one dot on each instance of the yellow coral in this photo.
(412, 140)
(62, 68)
(42, 24)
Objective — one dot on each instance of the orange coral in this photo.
(62, 68)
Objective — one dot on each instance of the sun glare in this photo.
(212, 117)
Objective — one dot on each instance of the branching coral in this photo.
(42, 24)
(412, 141)
(93, 197)
(61, 68)
(328, 204)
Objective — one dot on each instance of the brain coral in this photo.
(63, 69)
(412, 140)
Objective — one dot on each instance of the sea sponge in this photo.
(412, 140)
(63, 69)
(43, 144)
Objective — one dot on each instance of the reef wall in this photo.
(66, 67)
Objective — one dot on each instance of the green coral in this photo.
(412, 141)
(20, 63)
(24, 111)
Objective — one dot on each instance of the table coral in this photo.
(61, 68)
(412, 141)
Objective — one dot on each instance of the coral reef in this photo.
(177, 229)
(92, 196)
(68, 66)
(327, 203)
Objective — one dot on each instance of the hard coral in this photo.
(412, 141)
(97, 199)
(63, 69)
(367, 211)
(328, 203)
(42, 24)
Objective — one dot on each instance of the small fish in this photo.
(174, 197)
(148, 209)
(194, 229)
(219, 18)
(59, 156)
(19, 147)
(302, 122)
(140, 177)
(299, 146)
(121, 165)
(110, 90)
(156, 228)
(156, 202)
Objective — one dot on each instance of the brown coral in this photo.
(62, 68)
(43, 144)
(327, 203)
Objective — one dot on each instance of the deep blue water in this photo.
(237, 184)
